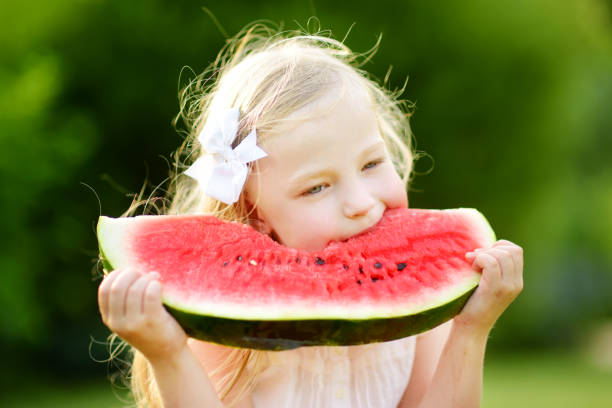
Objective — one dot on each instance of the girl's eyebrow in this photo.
(373, 147)
(308, 175)
(301, 177)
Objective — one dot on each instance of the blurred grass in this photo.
(90, 395)
(516, 380)
(546, 380)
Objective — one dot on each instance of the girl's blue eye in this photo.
(372, 164)
(314, 190)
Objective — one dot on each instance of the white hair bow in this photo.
(222, 172)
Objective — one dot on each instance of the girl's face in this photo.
(327, 178)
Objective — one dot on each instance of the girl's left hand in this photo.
(501, 282)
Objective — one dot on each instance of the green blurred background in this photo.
(512, 105)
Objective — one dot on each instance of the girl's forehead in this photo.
(347, 128)
(340, 111)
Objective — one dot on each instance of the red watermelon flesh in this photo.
(411, 263)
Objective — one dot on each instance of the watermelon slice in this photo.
(227, 283)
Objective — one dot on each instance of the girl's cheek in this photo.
(392, 191)
(316, 228)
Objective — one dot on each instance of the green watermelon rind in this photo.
(289, 334)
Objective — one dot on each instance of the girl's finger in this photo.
(104, 292)
(470, 256)
(506, 263)
(118, 292)
(516, 252)
(152, 297)
(135, 296)
(489, 266)
(517, 256)
(503, 242)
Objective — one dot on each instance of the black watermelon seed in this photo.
(319, 261)
(225, 263)
(361, 270)
(239, 258)
(298, 260)
(359, 281)
(378, 265)
(345, 266)
(401, 266)
(374, 279)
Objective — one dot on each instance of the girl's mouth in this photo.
(362, 232)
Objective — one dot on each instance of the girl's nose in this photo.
(358, 201)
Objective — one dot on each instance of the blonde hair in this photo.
(268, 75)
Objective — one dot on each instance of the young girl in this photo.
(327, 153)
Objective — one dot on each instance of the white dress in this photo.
(371, 375)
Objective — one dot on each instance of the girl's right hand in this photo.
(131, 306)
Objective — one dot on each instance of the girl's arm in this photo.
(212, 356)
(457, 380)
(130, 304)
(427, 352)
(182, 382)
